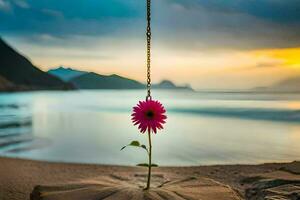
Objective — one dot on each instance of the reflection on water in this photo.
(294, 105)
(202, 128)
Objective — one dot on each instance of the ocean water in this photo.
(202, 127)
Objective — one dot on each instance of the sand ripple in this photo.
(121, 187)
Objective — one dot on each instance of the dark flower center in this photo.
(150, 114)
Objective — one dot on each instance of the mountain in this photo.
(19, 71)
(166, 84)
(66, 74)
(288, 85)
(90, 80)
(96, 81)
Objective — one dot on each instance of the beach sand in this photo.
(25, 179)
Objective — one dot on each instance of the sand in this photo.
(25, 179)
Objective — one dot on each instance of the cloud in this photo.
(4, 5)
(228, 24)
(269, 64)
(277, 11)
(62, 19)
(287, 57)
(22, 3)
(182, 24)
(54, 13)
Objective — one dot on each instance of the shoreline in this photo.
(135, 166)
(19, 177)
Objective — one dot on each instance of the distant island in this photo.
(288, 85)
(17, 73)
(91, 80)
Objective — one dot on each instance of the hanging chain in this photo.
(148, 34)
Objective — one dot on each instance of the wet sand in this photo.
(25, 179)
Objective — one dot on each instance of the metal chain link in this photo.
(148, 34)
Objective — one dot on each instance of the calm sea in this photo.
(202, 127)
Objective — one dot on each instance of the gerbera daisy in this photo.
(149, 115)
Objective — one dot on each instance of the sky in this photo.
(209, 44)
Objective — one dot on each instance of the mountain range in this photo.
(289, 85)
(91, 80)
(66, 74)
(18, 73)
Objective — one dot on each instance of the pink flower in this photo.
(149, 115)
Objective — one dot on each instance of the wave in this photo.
(270, 114)
(284, 115)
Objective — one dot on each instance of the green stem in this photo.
(150, 160)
